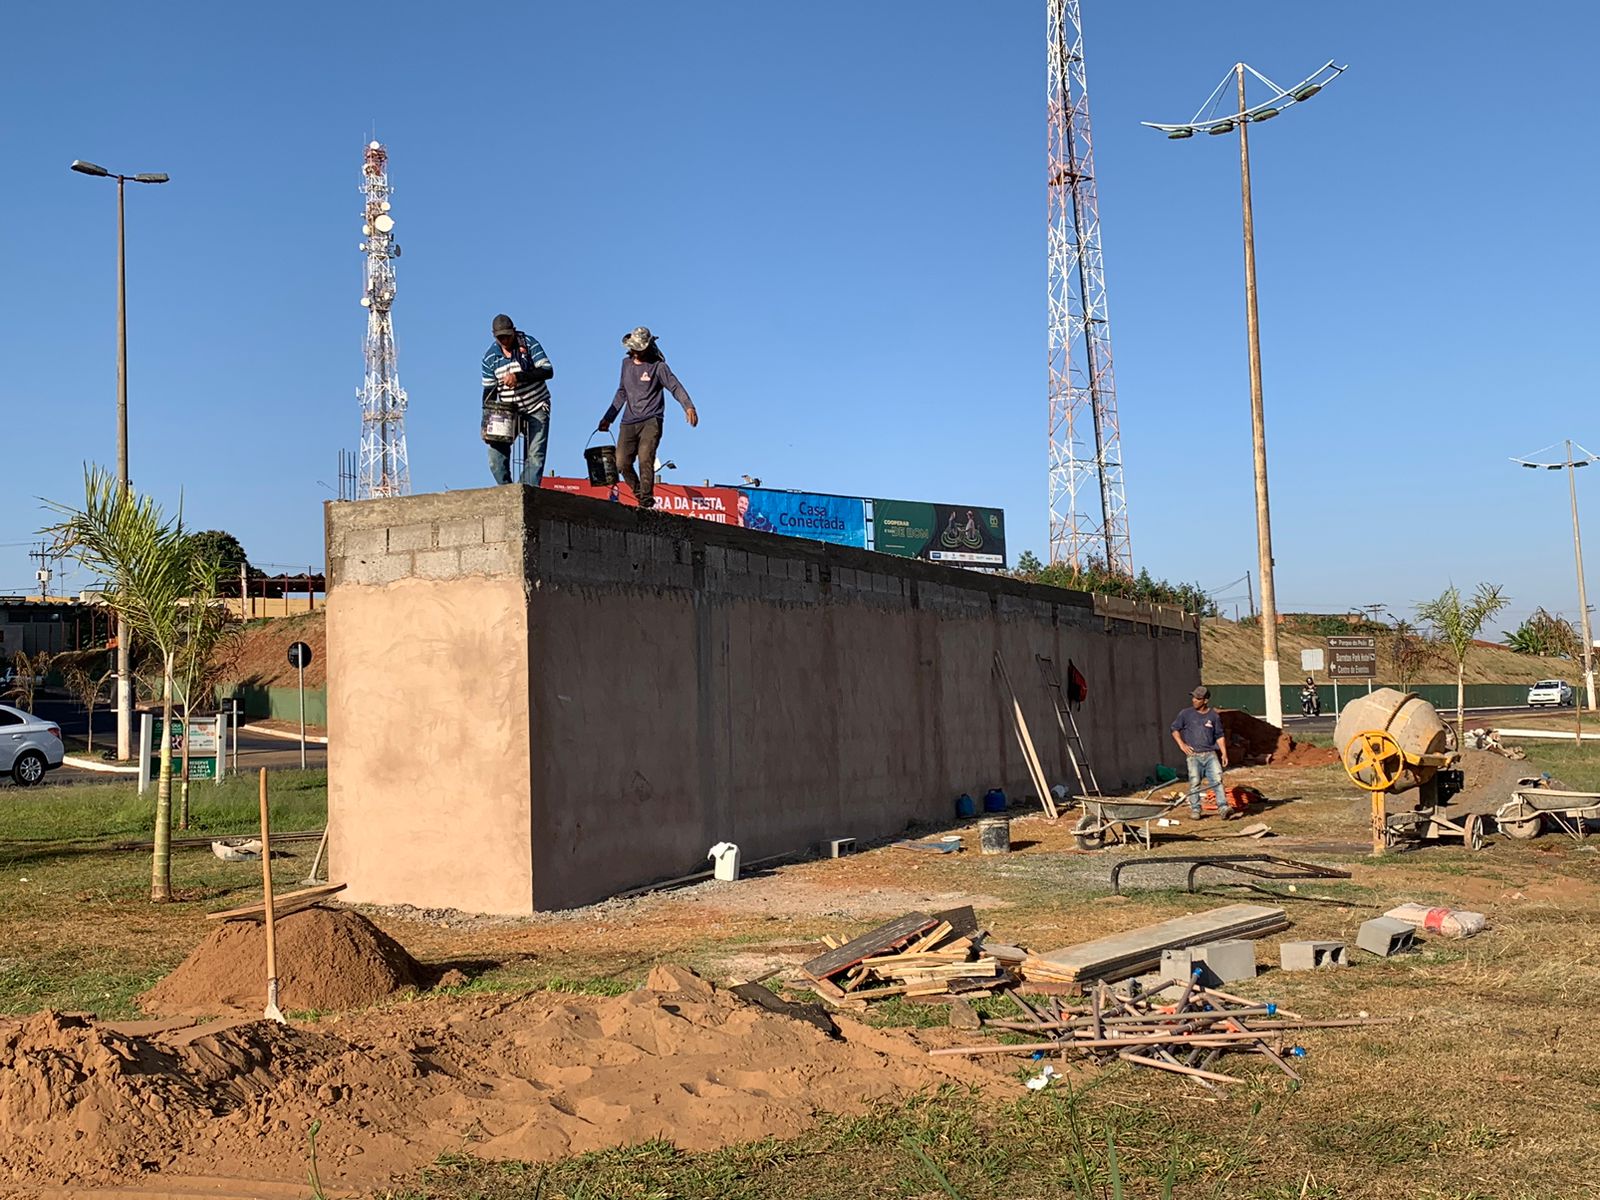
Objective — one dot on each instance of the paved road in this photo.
(1323, 725)
(255, 750)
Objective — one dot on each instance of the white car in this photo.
(29, 746)
(1553, 692)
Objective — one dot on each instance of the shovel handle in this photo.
(266, 886)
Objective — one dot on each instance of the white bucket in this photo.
(724, 858)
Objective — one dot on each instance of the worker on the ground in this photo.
(515, 369)
(639, 398)
(1198, 732)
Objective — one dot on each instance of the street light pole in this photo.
(124, 649)
(1583, 598)
(1269, 595)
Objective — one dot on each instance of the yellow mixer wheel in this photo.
(1374, 760)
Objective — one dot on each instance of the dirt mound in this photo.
(530, 1077)
(1254, 743)
(261, 657)
(329, 960)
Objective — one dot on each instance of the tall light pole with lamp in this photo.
(1205, 121)
(124, 660)
(1571, 465)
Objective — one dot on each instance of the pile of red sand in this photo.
(530, 1077)
(1254, 743)
(329, 960)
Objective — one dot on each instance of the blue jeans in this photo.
(1205, 768)
(535, 437)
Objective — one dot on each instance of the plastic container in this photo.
(994, 800)
(724, 858)
(601, 463)
(966, 806)
(994, 835)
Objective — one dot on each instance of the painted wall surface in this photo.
(688, 683)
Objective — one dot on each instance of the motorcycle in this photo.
(1310, 701)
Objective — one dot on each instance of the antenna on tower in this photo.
(385, 469)
(1088, 510)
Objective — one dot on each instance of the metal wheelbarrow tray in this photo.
(1526, 813)
(1117, 822)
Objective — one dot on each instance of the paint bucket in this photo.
(500, 423)
(994, 800)
(966, 806)
(724, 858)
(601, 462)
(994, 835)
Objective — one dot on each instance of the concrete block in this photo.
(1219, 962)
(490, 560)
(438, 564)
(411, 537)
(498, 529)
(465, 532)
(1386, 936)
(375, 571)
(839, 847)
(1308, 956)
(359, 543)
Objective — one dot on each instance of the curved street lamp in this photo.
(124, 661)
(1570, 465)
(1241, 118)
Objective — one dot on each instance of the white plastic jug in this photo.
(725, 861)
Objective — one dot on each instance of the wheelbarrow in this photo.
(1118, 822)
(1532, 808)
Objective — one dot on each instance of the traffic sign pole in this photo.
(300, 658)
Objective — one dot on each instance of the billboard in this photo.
(958, 534)
(716, 504)
(841, 520)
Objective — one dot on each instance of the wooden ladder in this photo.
(1088, 786)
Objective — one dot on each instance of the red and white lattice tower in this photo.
(1088, 510)
(384, 468)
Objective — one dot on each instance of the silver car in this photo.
(29, 746)
(1554, 692)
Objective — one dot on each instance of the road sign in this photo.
(1353, 657)
(1311, 661)
(300, 655)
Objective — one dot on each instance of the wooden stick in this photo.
(1159, 1039)
(272, 1012)
(1181, 1070)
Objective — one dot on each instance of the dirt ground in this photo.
(548, 1046)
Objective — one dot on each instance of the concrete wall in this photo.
(682, 683)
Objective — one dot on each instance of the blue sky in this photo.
(833, 215)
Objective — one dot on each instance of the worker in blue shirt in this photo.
(1198, 732)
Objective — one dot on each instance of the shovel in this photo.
(273, 1012)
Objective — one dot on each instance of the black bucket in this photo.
(602, 464)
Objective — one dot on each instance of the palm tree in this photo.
(151, 571)
(1456, 623)
(207, 624)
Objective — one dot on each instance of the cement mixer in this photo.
(1393, 742)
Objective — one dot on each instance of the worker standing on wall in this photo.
(1198, 732)
(640, 400)
(516, 400)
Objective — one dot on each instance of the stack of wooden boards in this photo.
(1185, 1033)
(922, 955)
(1139, 950)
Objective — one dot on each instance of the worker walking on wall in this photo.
(515, 371)
(1198, 732)
(640, 400)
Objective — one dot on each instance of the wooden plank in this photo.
(962, 921)
(1130, 952)
(1019, 724)
(873, 942)
(287, 903)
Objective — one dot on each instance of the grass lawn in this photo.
(1485, 1089)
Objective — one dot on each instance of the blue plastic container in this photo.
(994, 800)
(966, 806)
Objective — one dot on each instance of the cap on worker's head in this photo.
(504, 326)
(638, 339)
(1201, 693)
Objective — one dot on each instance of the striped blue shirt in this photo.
(519, 377)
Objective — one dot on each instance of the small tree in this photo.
(1028, 564)
(26, 674)
(150, 571)
(1456, 623)
(1546, 634)
(1409, 652)
(87, 688)
(208, 628)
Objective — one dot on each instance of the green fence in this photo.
(281, 704)
(1251, 697)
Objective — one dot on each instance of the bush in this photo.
(1096, 577)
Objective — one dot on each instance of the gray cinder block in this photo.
(1218, 962)
(839, 847)
(1385, 936)
(1308, 956)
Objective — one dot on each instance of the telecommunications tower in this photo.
(384, 468)
(1088, 510)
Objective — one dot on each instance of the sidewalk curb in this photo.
(88, 764)
(284, 735)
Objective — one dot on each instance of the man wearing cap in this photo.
(515, 368)
(640, 400)
(1198, 732)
